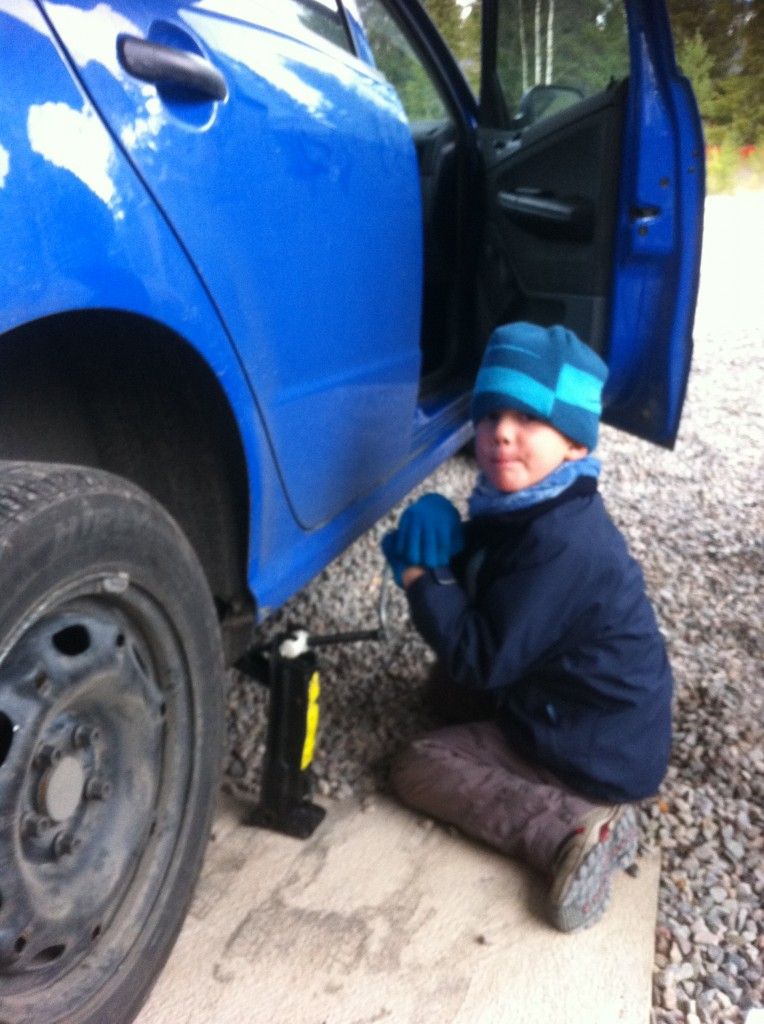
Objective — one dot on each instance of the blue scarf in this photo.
(486, 500)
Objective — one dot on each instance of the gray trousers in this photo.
(467, 775)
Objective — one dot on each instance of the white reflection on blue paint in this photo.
(143, 131)
(75, 141)
(90, 34)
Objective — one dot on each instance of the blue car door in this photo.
(285, 166)
(593, 155)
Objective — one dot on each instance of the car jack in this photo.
(288, 666)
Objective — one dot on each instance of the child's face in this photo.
(515, 450)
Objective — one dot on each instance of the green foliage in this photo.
(400, 65)
(754, 165)
(720, 46)
(732, 168)
(751, 174)
(459, 24)
(696, 61)
(722, 163)
(446, 15)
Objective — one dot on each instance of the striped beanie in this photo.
(545, 371)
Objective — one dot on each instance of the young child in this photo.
(537, 601)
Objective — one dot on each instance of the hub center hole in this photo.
(61, 789)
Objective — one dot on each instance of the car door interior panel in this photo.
(437, 154)
(552, 198)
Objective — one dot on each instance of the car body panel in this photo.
(658, 238)
(308, 137)
(101, 234)
(98, 242)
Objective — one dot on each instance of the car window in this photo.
(460, 25)
(400, 64)
(551, 54)
(322, 17)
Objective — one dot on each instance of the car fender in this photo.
(95, 240)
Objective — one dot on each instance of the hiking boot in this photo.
(582, 873)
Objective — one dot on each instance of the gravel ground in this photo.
(693, 518)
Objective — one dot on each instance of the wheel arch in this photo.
(117, 391)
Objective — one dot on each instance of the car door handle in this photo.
(156, 63)
(545, 207)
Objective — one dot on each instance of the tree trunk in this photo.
(549, 43)
(537, 41)
(523, 47)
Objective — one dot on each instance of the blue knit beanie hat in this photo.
(547, 372)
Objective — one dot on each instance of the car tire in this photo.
(111, 733)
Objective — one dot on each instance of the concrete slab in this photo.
(377, 918)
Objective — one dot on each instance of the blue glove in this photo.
(389, 545)
(430, 532)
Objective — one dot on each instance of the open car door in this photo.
(593, 153)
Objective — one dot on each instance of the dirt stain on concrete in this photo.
(327, 940)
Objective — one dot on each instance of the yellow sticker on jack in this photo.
(311, 721)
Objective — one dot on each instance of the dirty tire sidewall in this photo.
(59, 526)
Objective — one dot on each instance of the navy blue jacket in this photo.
(558, 621)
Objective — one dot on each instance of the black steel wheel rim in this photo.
(97, 750)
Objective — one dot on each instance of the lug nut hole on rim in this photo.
(50, 954)
(6, 737)
(72, 640)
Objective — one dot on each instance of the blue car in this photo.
(252, 251)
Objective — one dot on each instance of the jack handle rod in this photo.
(380, 633)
